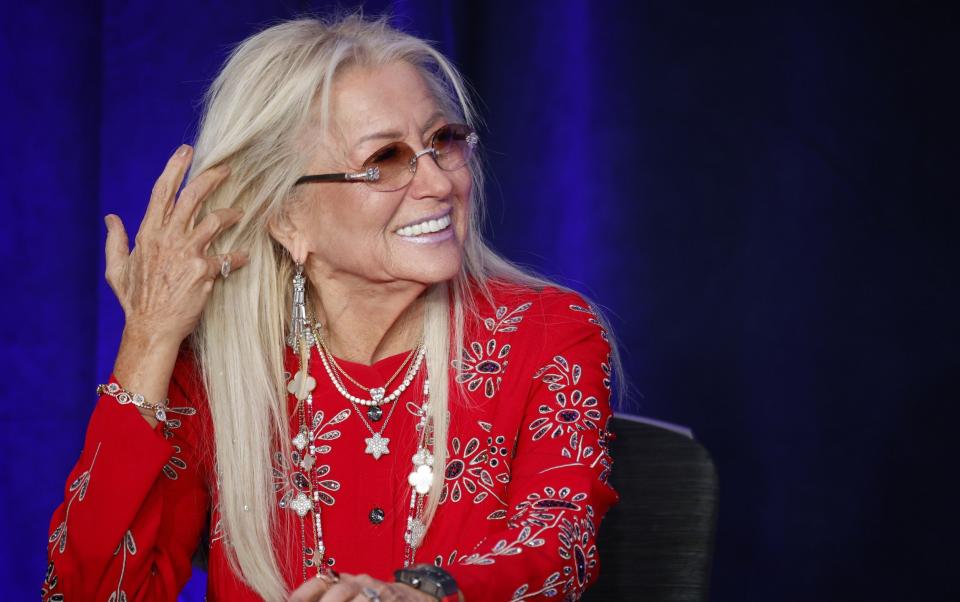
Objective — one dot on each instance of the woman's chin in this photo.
(432, 266)
(427, 258)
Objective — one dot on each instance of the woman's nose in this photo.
(428, 179)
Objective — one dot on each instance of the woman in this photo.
(324, 369)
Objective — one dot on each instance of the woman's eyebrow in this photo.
(394, 134)
(437, 116)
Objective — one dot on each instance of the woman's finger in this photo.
(212, 225)
(117, 248)
(224, 265)
(165, 188)
(193, 195)
(341, 592)
(401, 592)
(311, 590)
(346, 588)
(369, 589)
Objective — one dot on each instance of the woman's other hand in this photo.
(351, 588)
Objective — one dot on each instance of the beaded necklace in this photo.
(311, 496)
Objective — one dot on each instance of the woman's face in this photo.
(350, 231)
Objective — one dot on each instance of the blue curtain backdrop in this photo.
(762, 195)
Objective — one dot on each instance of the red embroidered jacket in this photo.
(526, 480)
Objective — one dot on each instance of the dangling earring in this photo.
(300, 337)
(299, 325)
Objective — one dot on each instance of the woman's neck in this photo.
(364, 322)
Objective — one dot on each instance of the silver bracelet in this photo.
(124, 397)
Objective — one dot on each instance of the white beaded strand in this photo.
(407, 379)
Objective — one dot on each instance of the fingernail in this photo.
(106, 220)
(183, 150)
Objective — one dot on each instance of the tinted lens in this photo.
(393, 161)
(454, 144)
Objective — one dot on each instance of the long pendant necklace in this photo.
(376, 445)
(308, 499)
(420, 477)
(420, 480)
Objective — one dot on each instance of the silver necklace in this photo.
(420, 477)
(377, 395)
(376, 444)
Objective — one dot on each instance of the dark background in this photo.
(763, 196)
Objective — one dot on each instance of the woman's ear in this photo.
(284, 230)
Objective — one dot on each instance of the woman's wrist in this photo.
(149, 339)
(145, 364)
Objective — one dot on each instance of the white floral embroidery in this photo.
(483, 365)
(129, 546)
(290, 478)
(439, 560)
(571, 413)
(474, 470)
(575, 536)
(577, 548)
(79, 487)
(174, 464)
(506, 321)
(594, 318)
(538, 516)
(173, 424)
(50, 581)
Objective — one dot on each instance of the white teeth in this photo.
(425, 227)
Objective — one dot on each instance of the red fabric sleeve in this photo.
(559, 490)
(134, 506)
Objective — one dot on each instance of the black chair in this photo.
(656, 545)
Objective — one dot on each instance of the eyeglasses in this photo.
(392, 167)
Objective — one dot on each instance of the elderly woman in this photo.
(326, 376)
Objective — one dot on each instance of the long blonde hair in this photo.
(254, 110)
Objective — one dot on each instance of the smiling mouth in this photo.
(428, 226)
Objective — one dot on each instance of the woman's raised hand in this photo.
(164, 283)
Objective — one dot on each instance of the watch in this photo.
(431, 580)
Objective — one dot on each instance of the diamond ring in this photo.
(371, 594)
(225, 267)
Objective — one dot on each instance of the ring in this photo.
(371, 594)
(225, 267)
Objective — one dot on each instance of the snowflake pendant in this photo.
(377, 446)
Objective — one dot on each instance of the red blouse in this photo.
(526, 479)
